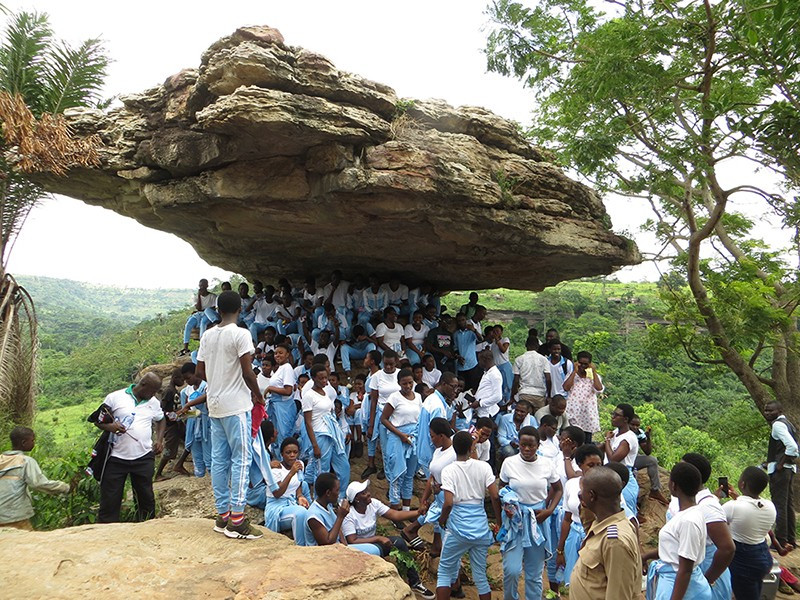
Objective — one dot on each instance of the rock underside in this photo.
(271, 162)
(172, 559)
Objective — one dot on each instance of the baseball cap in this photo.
(355, 488)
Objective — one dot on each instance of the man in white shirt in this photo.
(397, 294)
(490, 390)
(336, 292)
(264, 308)
(531, 375)
(224, 361)
(135, 411)
(204, 304)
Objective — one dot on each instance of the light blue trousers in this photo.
(514, 559)
(294, 517)
(402, 488)
(508, 379)
(330, 458)
(283, 414)
(413, 357)
(201, 456)
(453, 548)
(349, 353)
(231, 454)
(199, 320)
(257, 328)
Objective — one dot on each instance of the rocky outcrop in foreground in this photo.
(272, 162)
(172, 559)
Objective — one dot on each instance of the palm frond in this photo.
(73, 76)
(22, 57)
(18, 346)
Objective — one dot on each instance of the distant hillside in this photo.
(129, 304)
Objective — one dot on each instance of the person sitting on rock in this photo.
(332, 321)
(645, 460)
(356, 348)
(264, 307)
(286, 507)
(376, 300)
(397, 294)
(198, 319)
(361, 523)
(19, 474)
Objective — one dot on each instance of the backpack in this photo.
(102, 448)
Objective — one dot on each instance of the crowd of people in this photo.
(263, 407)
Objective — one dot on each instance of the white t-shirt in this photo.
(561, 468)
(431, 378)
(528, 479)
(339, 299)
(329, 389)
(416, 337)
(500, 358)
(572, 502)
(220, 350)
(483, 449)
(531, 368)
(467, 480)
(263, 310)
(385, 384)
(391, 337)
(329, 350)
(138, 419)
(208, 301)
(313, 297)
(549, 448)
(279, 475)
(633, 446)
(263, 382)
(364, 526)
(283, 376)
(709, 505)
(398, 295)
(318, 405)
(750, 519)
(405, 411)
(683, 536)
(441, 458)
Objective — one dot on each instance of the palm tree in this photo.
(40, 77)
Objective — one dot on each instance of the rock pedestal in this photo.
(271, 162)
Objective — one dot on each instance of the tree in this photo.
(679, 104)
(40, 78)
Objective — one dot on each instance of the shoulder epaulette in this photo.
(611, 532)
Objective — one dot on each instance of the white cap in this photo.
(355, 488)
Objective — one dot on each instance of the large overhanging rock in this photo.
(271, 162)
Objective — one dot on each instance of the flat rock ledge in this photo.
(271, 162)
(172, 559)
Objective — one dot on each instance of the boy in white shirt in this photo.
(223, 360)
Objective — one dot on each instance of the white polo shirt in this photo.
(138, 419)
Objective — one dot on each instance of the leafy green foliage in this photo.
(404, 561)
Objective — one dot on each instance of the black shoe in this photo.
(420, 589)
(367, 472)
(381, 475)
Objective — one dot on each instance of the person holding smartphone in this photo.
(584, 385)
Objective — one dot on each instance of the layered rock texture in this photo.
(172, 559)
(271, 162)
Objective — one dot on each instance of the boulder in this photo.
(271, 162)
(173, 558)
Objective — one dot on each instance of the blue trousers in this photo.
(413, 357)
(508, 379)
(230, 461)
(256, 328)
(283, 414)
(330, 458)
(750, 564)
(514, 560)
(201, 456)
(198, 320)
(402, 488)
(453, 548)
(294, 517)
(349, 353)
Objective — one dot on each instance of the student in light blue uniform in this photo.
(324, 518)
(509, 426)
(286, 507)
(198, 429)
(436, 405)
(356, 348)
(400, 418)
(282, 410)
(372, 363)
(463, 519)
(376, 300)
(466, 339)
(531, 492)
(572, 534)
(322, 428)
(440, 434)
(681, 543)
(418, 297)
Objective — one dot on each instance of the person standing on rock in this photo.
(781, 456)
(224, 361)
(583, 386)
(175, 429)
(531, 375)
(135, 411)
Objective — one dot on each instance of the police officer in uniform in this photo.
(611, 544)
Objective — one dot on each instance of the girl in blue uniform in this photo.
(531, 492)
(463, 519)
(286, 506)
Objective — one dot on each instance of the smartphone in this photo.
(723, 483)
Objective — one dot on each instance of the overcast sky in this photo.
(423, 49)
